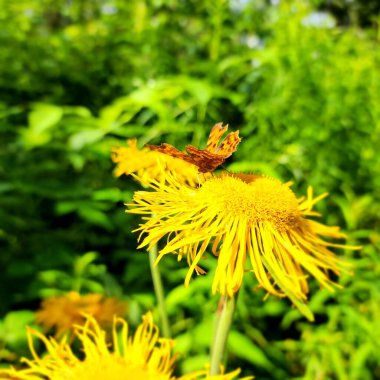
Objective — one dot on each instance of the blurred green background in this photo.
(299, 79)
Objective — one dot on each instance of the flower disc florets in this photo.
(261, 200)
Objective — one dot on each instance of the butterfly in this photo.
(207, 159)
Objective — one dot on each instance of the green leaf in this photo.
(43, 117)
(88, 137)
(183, 342)
(82, 262)
(359, 361)
(338, 363)
(14, 327)
(31, 139)
(5, 187)
(77, 110)
(92, 286)
(245, 348)
(95, 217)
(111, 194)
(53, 276)
(63, 208)
(194, 363)
(202, 333)
(177, 296)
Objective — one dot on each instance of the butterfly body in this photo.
(207, 160)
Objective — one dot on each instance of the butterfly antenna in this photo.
(225, 169)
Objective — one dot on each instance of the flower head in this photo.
(143, 356)
(204, 375)
(147, 164)
(63, 312)
(242, 217)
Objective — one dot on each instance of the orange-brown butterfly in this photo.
(210, 158)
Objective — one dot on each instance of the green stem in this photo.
(159, 291)
(224, 316)
(217, 10)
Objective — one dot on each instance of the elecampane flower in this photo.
(63, 312)
(204, 375)
(147, 164)
(143, 356)
(242, 217)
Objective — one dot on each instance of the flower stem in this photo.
(224, 316)
(159, 291)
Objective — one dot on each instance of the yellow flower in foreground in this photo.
(147, 164)
(143, 356)
(241, 216)
(63, 312)
(203, 375)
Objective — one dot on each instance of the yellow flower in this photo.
(63, 312)
(147, 164)
(241, 216)
(143, 356)
(204, 375)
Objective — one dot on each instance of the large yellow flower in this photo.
(63, 312)
(241, 216)
(204, 375)
(147, 164)
(143, 356)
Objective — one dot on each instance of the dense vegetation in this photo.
(78, 78)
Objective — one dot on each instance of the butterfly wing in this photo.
(209, 159)
(170, 151)
(216, 133)
(206, 161)
(229, 145)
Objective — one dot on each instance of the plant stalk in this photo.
(159, 291)
(224, 316)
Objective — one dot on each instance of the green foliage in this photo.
(78, 78)
(346, 345)
(13, 339)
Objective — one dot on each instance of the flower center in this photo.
(258, 199)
